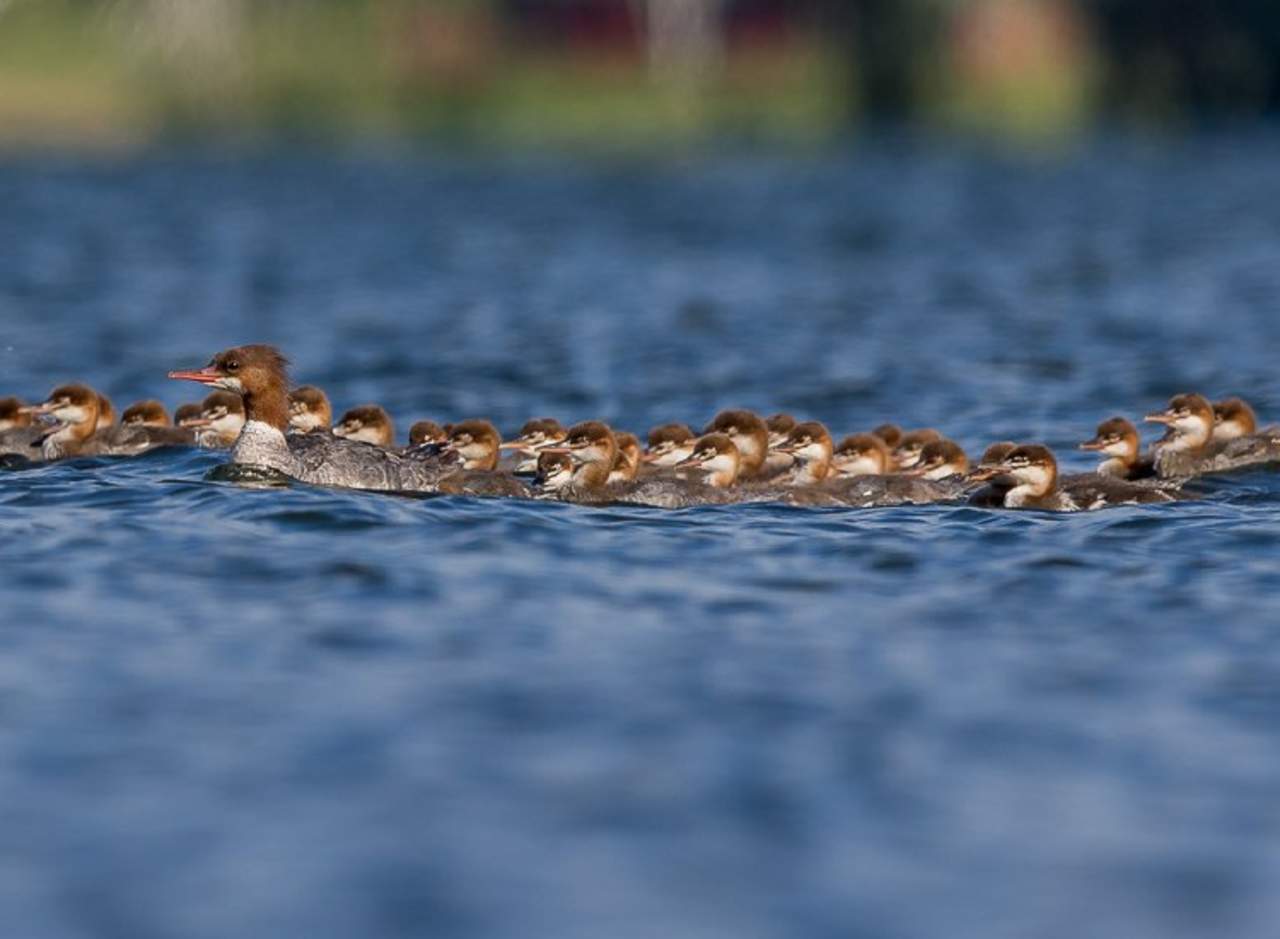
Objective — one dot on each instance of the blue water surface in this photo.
(300, 712)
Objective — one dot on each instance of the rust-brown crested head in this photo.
(185, 413)
(309, 409)
(907, 452)
(669, 434)
(942, 458)
(1237, 413)
(738, 422)
(13, 414)
(1114, 433)
(150, 413)
(426, 432)
(891, 434)
(781, 423)
(370, 423)
(995, 454)
(476, 441)
(554, 471)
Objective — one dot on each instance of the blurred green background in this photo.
(622, 74)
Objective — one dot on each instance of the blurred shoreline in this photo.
(113, 75)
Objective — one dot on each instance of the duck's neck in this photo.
(269, 406)
(808, 472)
(592, 475)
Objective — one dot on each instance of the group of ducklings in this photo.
(739, 456)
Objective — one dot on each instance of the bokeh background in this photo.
(307, 712)
(623, 73)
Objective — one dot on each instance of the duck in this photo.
(775, 461)
(185, 413)
(534, 436)
(259, 374)
(1117, 440)
(18, 431)
(76, 432)
(861, 455)
(708, 477)
(1027, 478)
(906, 453)
(809, 444)
(309, 411)
(941, 459)
(668, 446)
(749, 434)
(476, 444)
(369, 423)
(626, 465)
(1233, 418)
(220, 422)
(891, 434)
(150, 413)
(427, 432)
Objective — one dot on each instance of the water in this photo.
(306, 712)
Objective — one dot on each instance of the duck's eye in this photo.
(232, 366)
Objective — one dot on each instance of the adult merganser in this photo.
(150, 413)
(426, 432)
(1028, 478)
(309, 410)
(220, 422)
(368, 423)
(749, 434)
(669, 444)
(476, 444)
(861, 455)
(259, 374)
(626, 465)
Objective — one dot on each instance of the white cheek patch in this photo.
(1190, 425)
(859, 466)
(1035, 477)
(229, 383)
(814, 451)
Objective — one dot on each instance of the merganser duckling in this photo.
(220, 422)
(749, 434)
(534, 437)
(906, 453)
(106, 412)
(861, 455)
(426, 432)
(150, 413)
(1233, 418)
(75, 409)
(669, 445)
(1117, 440)
(591, 449)
(775, 460)
(1028, 478)
(996, 453)
(626, 465)
(708, 477)
(476, 443)
(940, 460)
(18, 432)
(309, 410)
(891, 434)
(185, 413)
(810, 445)
(259, 374)
(717, 460)
(859, 477)
(369, 423)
